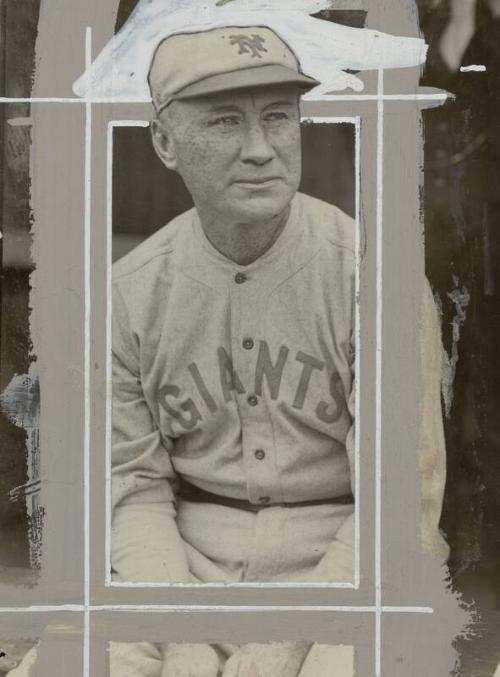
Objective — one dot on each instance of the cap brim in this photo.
(259, 76)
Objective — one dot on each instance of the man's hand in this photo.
(189, 660)
(267, 660)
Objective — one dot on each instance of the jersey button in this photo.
(248, 343)
(260, 454)
(239, 278)
(252, 400)
(264, 499)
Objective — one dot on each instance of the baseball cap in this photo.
(188, 65)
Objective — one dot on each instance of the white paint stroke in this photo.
(325, 49)
(24, 668)
(20, 403)
(475, 67)
(20, 122)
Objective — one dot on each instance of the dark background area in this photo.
(462, 236)
(462, 244)
(18, 27)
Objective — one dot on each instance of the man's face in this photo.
(239, 153)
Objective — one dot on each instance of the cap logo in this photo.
(249, 44)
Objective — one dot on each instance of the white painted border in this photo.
(473, 68)
(356, 120)
(109, 237)
(109, 318)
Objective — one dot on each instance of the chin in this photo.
(257, 208)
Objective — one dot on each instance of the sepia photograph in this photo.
(249, 302)
(301, 659)
(233, 392)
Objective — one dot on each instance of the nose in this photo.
(256, 148)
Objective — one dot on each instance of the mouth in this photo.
(258, 183)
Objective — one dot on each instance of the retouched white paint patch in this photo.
(20, 403)
(325, 49)
(460, 298)
(473, 68)
(24, 669)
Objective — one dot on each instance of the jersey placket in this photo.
(258, 448)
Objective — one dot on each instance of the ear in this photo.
(163, 143)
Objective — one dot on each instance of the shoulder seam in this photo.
(142, 265)
(335, 243)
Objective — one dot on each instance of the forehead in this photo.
(255, 97)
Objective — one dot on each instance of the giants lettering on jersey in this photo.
(267, 371)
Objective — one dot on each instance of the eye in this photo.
(276, 115)
(224, 121)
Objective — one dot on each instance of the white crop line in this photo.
(377, 97)
(87, 400)
(72, 99)
(323, 97)
(357, 366)
(204, 608)
(328, 119)
(378, 377)
(238, 586)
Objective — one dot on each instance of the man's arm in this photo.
(146, 545)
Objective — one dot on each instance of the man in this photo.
(233, 325)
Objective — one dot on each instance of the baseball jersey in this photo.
(239, 378)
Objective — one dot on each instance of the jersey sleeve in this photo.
(146, 545)
(141, 467)
(337, 564)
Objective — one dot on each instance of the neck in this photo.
(242, 242)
